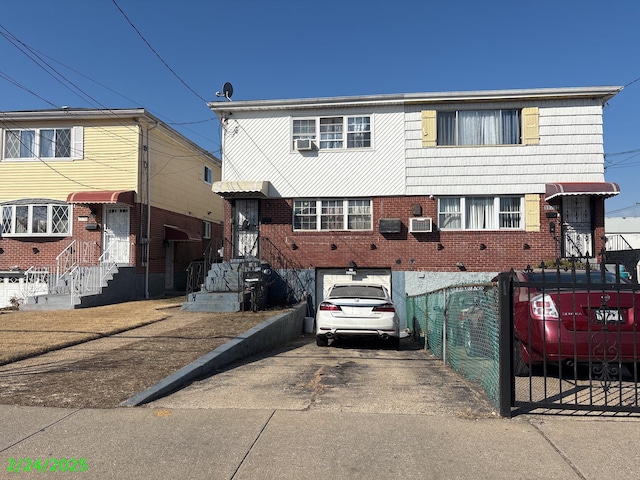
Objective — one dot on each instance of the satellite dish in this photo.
(227, 90)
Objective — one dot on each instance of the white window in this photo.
(208, 175)
(359, 132)
(334, 132)
(206, 229)
(304, 129)
(36, 220)
(43, 143)
(481, 213)
(332, 214)
(331, 132)
(479, 127)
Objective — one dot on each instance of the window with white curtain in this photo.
(345, 132)
(35, 220)
(479, 127)
(481, 213)
(332, 214)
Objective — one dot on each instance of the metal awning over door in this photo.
(604, 189)
(102, 196)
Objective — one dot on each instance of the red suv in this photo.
(575, 316)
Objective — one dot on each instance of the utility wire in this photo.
(167, 120)
(632, 82)
(157, 54)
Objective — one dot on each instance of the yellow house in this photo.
(90, 198)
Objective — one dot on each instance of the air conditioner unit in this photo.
(420, 225)
(303, 144)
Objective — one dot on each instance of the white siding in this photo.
(570, 149)
(260, 149)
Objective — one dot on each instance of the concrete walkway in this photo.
(146, 443)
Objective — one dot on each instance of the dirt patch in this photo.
(102, 373)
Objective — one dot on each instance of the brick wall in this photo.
(185, 251)
(32, 251)
(478, 251)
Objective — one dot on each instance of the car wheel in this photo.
(520, 367)
(469, 346)
(322, 340)
(394, 342)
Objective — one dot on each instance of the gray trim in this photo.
(604, 92)
(34, 201)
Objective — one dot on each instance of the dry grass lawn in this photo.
(25, 334)
(104, 373)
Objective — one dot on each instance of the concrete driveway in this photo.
(363, 376)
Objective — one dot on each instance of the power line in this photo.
(157, 54)
(167, 120)
(621, 153)
(632, 82)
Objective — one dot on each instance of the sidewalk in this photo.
(145, 443)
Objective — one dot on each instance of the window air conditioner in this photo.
(420, 225)
(303, 144)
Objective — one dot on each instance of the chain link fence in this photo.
(459, 324)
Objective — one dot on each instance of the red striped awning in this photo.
(102, 196)
(179, 234)
(605, 189)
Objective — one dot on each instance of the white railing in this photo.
(616, 242)
(36, 282)
(75, 273)
(107, 262)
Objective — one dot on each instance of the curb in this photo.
(267, 335)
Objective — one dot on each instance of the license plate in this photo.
(609, 316)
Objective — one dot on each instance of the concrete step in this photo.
(212, 302)
(211, 306)
(50, 302)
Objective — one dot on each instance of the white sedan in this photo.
(357, 309)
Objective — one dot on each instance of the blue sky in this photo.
(298, 48)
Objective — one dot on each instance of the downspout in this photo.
(146, 260)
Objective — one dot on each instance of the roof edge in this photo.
(603, 92)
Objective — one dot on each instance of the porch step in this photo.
(117, 287)
(50, 302)
(212, 302)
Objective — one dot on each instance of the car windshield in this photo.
(594, 276)
(357, 291)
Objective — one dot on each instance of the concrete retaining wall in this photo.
(269, 334)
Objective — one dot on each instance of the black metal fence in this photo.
(560, 338)
(574, 339)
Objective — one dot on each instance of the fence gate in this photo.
(571, 338)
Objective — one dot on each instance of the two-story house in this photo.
(417, 190)
(88, 193)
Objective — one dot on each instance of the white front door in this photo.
(577, 227)
(246, 228)
(116, 234)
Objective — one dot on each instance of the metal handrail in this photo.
(617, 242)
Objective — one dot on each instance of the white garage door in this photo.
(10, 287)
(330, 276)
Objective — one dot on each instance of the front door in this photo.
(168, 267)
(577, 230)
(246, 228)
(116, 234)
